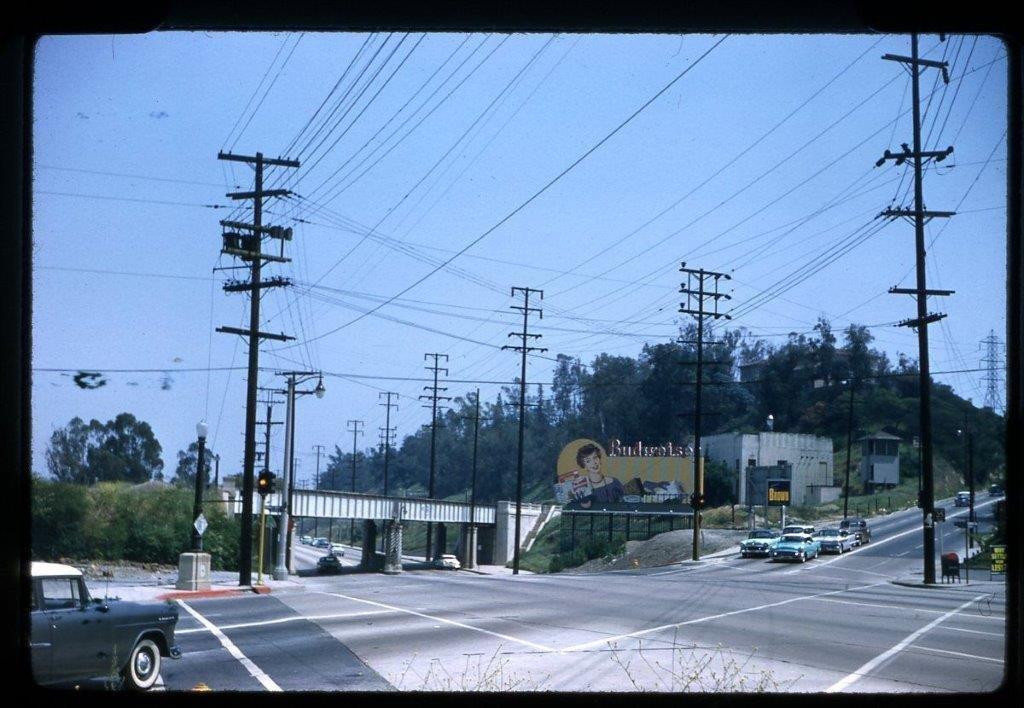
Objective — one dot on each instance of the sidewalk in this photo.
(223, 584)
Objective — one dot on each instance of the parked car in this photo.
(307, 540)
(834, 540)
(329, 564)
(758, 542)
(806, 529)
(75, 637)
(795, 546)
(996, 490)
(337, 549)
(447, 561)
(962, 499)
(858, 528)
(321, 543)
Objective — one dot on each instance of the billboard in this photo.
(623, 477)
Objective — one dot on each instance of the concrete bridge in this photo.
(488, 535)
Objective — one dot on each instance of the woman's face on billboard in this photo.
(592, 464)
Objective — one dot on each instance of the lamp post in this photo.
(849, 446)
(197, 507)
(293, 378)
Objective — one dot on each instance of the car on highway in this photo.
(834, 540)
(798, 528)
(337, 549)
(307, 540)
(75, 637)
(758, 542)
(996, 490)
(857, 528)
(447, 561)
(795, 546)
(321, 543)
(329, 564)
(962, 499)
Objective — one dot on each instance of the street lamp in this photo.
(283, 531)
(197, 508)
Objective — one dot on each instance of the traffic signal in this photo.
(265, 483)
(697, 500)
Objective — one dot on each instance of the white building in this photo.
(810, 456)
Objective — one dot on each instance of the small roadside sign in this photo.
(940, 514)
(998, 563)
(200, 524)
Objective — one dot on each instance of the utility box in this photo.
(193, 571)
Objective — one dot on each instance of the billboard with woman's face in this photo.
(590, 478)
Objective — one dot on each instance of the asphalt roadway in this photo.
(836, 624)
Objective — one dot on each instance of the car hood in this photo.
(789, 546)
(759, 541)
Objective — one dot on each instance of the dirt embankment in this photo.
(664, 549)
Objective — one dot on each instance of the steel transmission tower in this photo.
(993, 363)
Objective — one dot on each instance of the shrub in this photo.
(58, 519)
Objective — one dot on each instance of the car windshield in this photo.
(828, 533)
(793, 538)
(760, 534)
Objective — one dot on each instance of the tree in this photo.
(122, 449)
(185, 472)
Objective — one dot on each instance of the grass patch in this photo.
(545, 548)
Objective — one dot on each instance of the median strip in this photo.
(281, 620)
(254, 671)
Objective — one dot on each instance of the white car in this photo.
(337, 549)
(447, 561)
(307, 540)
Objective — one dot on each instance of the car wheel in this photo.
(143, 667)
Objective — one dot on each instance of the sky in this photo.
(437, 171)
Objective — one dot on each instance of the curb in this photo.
(214, 593)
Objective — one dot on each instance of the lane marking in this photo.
(846, 682)
(254, 671)
(631, 635)
(976, 631)
(280, 620)
(909, 608)
(532, 645)
(958, 653)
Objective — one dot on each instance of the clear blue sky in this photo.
(757, 161)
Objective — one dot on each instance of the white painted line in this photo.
(957, 653)
(532, 645)
(855, 570)
(1001, 635)
(632, 635)
(254, 671)
(902, 608)
(909, 639)
(280, 620)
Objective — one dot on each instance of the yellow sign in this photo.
(588, 475)
(998, 559)
(778, 496)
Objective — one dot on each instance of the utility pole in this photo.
(919, 216)
(695, 306)
(248, 247)
(849, 446)
(387, 432)
(471, 536)
(522, 348)
(318, 449)
(433, 397)
(354, 429)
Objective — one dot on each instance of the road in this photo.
(833, 624)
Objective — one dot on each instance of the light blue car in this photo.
(795, 547)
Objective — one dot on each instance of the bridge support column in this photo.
(441, 538)
(467, 547)
(392, 547)
(369, 555)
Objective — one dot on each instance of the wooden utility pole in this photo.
(522, 348)
(919, 216)
(387, 433)
(356, 432)
(695, 306)
(245, 242)
(434, 396)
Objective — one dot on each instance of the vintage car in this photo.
(447, 562)
(337, 549)
(834, 540)
(962, 499)
(306, 540)
(758, 542)
(857, 528)
(329, 564)
(996, 490)
(795, 546)
(806, 529)
(75, 638)
(321, 543)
